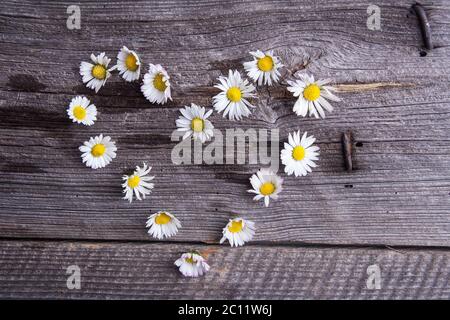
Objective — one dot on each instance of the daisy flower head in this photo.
(138, 183)
(156, 86)
(163, 224)
(128, 64)
(264, 67)
(238, 231)
(299, 155)
(233, 98)
(192, 264)
(266, 184)
(193, 121)
(96, 73)
(312, 96)
(81, 111)
(98, 152)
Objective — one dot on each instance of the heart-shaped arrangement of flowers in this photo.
(233, 101)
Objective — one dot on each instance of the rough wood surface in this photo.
(38, 270)
(399, 194)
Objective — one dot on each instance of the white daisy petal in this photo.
(95, 75)
(264, 68)
(193, 121)
(192, 264)
(163, 225)
(81, 111)
(98, 152)
(312, 96)
(298, 155)
(137, 183)
(128, 64)
(266, 184)
(156, 86)
(238, 231)
(233, 98)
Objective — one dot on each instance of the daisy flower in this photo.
(266, 184)
(238, 231)
(312, 95)
(138, 183)
(298, 155)
(192, 264)
(194, 121)
(128, 64)
(264, 67)
(96, 74)
(233, 98)
(162, 224)
(156, 86)
(81, 111)
(98, 152)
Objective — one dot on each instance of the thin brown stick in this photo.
(347, 150)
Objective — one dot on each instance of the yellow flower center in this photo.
(131, 62)
(133, 181)
(190, 260)
(298, 153)
(235, 226)
(197, 124)
(267, 188)
(265, 64)
(79, 112)
(98, 150)
(162, 218)
(311, 92)
(99, 72)
(159, 83)
(234, 94)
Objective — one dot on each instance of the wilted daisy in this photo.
(233, 98)
(266, 184)
(98, 152)
(163, 224)
(194, 121)
(238, 231)
(128, 64)
(264, 67)
(298, 155)
(156, 86)
(95, 74)
(312, 96)
(192, 264)
(138, 183)
(81, 111)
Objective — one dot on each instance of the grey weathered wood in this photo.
(37, 270)
(399, 194)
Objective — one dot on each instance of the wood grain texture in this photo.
(37, 270)
(399, 194)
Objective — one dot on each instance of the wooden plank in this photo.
(37, 270)
(399, 195)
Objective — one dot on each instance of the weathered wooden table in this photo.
(330, 232)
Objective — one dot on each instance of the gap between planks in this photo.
(287, 244)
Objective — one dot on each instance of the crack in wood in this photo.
(361, 87)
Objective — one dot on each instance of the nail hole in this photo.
(359, 144)
(348, 186)
(423, 53)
